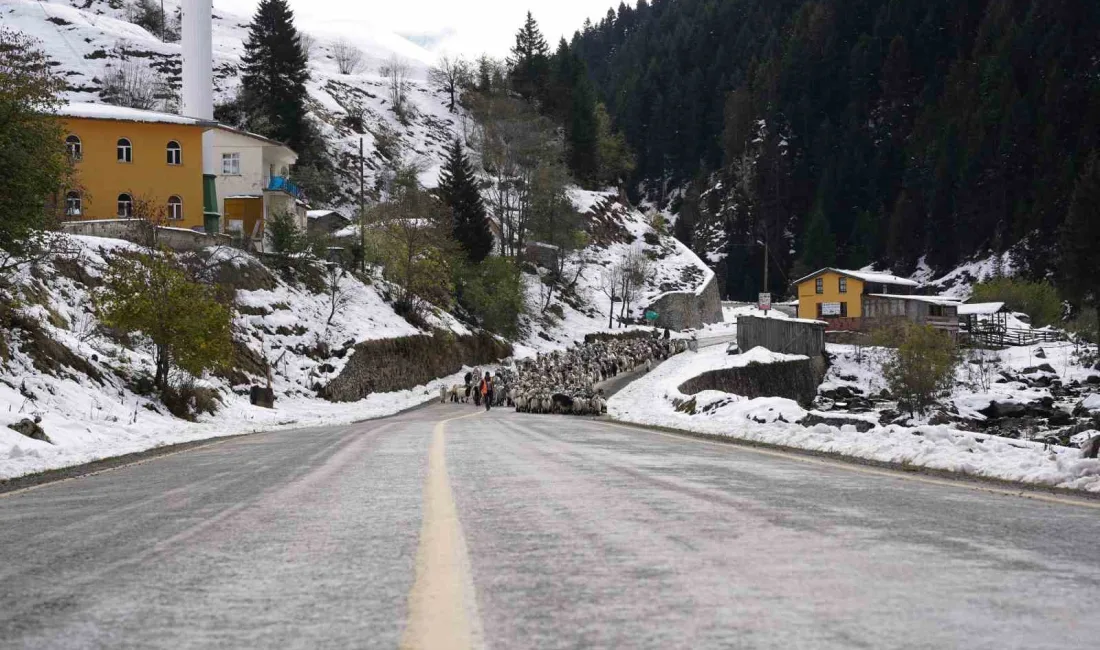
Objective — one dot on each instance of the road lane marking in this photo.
(962, 482)
(442, 605)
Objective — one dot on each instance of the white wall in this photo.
(257, 157)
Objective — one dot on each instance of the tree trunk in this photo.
(611, 314)
(161, 378)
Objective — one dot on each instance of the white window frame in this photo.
(175, 208)
(124, 153)
(74, 204)
(231, 164)
(75, 147)
(174, 153)
(128, 211)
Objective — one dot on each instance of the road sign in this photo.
(765, 301)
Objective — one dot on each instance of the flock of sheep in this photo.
(565, 382)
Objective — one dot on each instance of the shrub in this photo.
(152, 294)
(492, 292)
(1039, 300)
(923, 368)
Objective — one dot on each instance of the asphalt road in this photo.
(509, 531)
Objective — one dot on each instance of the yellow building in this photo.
(836, 293)
(126, 157)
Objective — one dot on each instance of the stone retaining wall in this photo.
(399, 364)
(797, 380)
(682, 310)
(140, 232)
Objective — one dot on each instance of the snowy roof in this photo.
(981, 308)
(866, 276)
(122, 114)
(317, 214)
(934, 300)
(254, 136)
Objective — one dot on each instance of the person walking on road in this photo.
(487, 391)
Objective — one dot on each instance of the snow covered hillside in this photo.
(89, 388)
(653, 400)
(615, 232)
(87, 38)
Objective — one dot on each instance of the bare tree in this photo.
(308, 43)
(610, 279)
(450, 75)
(396, 72)
(129, 83)
(349, 59)
(339, 295)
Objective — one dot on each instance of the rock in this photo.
(262, 396)
(1059, 418)
(1094, 380)
(941, 418)
(1041, 354)
(998, 410)
(1043, 367)
(1090, 404)
(888, 416)
(812, 420)
(30, 428)
(326, 368)
(1091, 448)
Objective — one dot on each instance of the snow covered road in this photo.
(555, 533)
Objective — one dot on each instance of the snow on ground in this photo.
(649, 401)
(675, 268)
(85, 426)
(89, 419)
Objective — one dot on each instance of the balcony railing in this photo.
(284, 184)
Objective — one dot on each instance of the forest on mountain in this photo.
(856, 131)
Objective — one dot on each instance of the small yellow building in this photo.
(837, 293)
(125, 157)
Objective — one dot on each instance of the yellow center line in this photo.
(442, 606)
(1023, 492)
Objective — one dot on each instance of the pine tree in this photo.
(274, 76)
(1080, 262)
(583, 132)
(818, 244)
(529, 64)
(458, 189)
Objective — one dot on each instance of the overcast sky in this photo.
(457, 26)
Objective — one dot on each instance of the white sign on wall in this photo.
(830, 309)
(765, 301)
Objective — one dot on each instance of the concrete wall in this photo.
(686, 309)
(398, 364)
(138, 231)
(797, 380)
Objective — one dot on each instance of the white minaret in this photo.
(198, 86)
(198, 60)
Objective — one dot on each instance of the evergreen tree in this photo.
(274, 75)
(1080, 263)
(458, 189)
(583, 132)
(529, 64)
(818, 245)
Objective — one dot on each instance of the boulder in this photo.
(1091, 448)
(30, 428)
(262, 396)
(997, 410)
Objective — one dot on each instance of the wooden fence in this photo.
(781, 335)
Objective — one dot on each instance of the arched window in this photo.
(175, 208)
(76, 150)
(175, 153)
(73, 207)
(125, 150)
(125, 205)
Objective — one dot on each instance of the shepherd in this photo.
(487, 391)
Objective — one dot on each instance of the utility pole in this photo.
(766, 249)
(362, 191)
